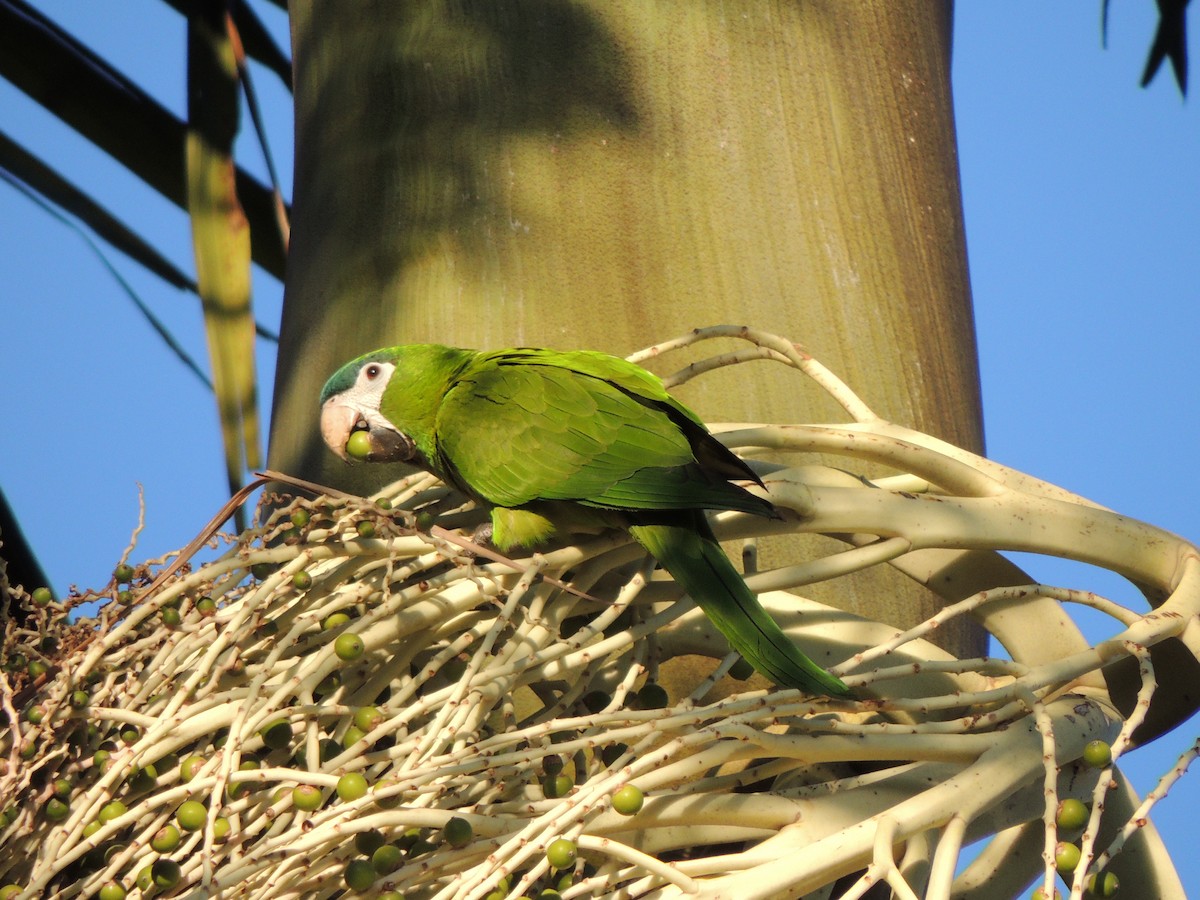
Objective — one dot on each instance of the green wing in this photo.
(525, 425)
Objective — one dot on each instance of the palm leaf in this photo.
(111, 111)
(1170, 41)
(260, 131)
(41, 179)
(258, 43)
(191, 163)
(219, 232)
(143, 308)
(71, 205)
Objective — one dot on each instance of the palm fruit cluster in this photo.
(300, 715)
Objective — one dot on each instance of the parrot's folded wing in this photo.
(518, 433)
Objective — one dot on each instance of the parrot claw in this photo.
(482, 535)
(479, 545)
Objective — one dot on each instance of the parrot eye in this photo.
(372, 371)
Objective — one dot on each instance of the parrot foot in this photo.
(482, 535)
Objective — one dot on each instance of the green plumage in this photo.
(536, 434)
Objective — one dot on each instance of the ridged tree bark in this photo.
(608, 173)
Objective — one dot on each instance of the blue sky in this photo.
(1082, 199)
(1081, 192)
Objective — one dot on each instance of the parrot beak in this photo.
(337, 423)
(341, 422)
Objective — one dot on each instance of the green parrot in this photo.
(548, 439)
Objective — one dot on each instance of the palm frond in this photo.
(219, 233)
(256, 39)
(153, 320)
(41, 179)
(260, 131)
(101, 103)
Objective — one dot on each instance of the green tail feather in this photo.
(696, 561)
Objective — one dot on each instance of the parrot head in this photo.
(352, 422)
